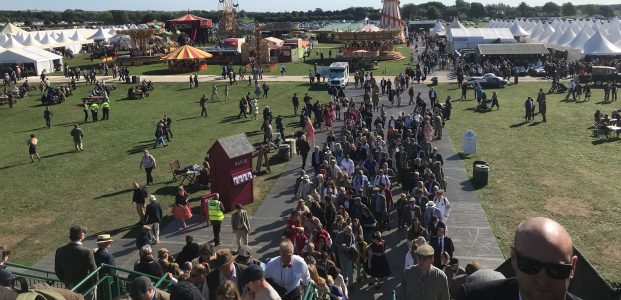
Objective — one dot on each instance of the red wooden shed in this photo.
(230, 160)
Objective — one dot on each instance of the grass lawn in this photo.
(293, 68)
(555, 169)
(41, 200)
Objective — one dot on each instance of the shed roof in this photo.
(513, 49)
(235, 145)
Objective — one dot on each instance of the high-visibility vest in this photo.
(105, 105)
(215, 214)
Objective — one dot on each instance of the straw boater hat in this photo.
(223, 257)
(104, 238)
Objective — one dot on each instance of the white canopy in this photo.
(3, 38)
(64, 40)
(41, 59)
(517, 30)
(555, 36)
(48, 41)
(568, 36)
(580, 39)
(461, 38)
(78, 38)
(11, 43)
(101, 35)
(31, 42)
(438, 29)
(599, 45)
(10, 28)
(456, 24)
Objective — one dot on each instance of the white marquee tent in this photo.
(599, 45)
(34, 58)
(461, 38)
(101, 35)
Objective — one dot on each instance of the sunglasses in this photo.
(558, 271)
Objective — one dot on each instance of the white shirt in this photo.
(443, 205)
(382, 179)
(409, 260)
(348, 166)
(288, 278)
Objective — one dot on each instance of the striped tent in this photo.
(186, 53)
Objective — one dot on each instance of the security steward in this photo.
(105, 107)
(215, 217)
(94, 110)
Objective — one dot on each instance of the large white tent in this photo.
(456, 24)
(48, 41)
(11, 43)
(101, 35)
(438, 29)
(33, 58)
(517, 30)
(461, 38)
(30, 41)
(11, 29)
(599, 45)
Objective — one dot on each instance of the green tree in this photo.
(409, 11)
(432, 13)
(590, 9)
(607, 11)
(450, 13)
(462, 6)
(119, 17)
(568, 9)
(477, 10)
(551, 9)
(106, 17)
(524, 10)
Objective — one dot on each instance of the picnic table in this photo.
(4, 99)
(90, 100)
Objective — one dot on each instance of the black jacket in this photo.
(213, 280)
(448, 247)
(140, 194)
(506, 289)
(153, 213)
(104, 257)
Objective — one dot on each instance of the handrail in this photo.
(29, 268)
(158, 280)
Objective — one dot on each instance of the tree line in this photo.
(429, 10)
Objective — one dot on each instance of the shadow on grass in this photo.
(58, 154)
(228, 119)
(16, 165)
(603, 103)
(139, 148)
(190, 118)
(519, 124)
(606, 140)
(253, 133)
(31, 130)
(114, 193)
(535, 123)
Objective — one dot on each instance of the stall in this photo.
(230, 159)
(34, 60)
(197, 28)
(187, 59)
(462, 38)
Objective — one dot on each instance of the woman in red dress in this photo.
(182, 210)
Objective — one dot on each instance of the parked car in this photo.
(537, 72)
(488, 80)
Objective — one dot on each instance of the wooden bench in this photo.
(92, 99)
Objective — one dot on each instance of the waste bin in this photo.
(434, 80)
(284, 152)
(469, 142)
(137, 79)
(128, 80)
(134, 79)
(480, 173)
(291, 143)
(515, 78)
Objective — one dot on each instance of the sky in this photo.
(248, 5)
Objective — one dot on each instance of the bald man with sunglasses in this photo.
(543, 260)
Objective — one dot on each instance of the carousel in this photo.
(187, 59)
(369, 43)
(147, 46)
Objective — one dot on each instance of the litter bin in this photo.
(480, 173)
(134, 79)
(291, 143)
(434, 80)
(469, 142)
(284, 152)
(138, 79)
(515, 78)
(128, 80)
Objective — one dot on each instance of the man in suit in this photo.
(73, 261)
(241, 225)
(316, 159)
(153, 217)
(424, 281)
(379, 207)
(441, 243)
(225, 268)
(102, 255)
(543, 260)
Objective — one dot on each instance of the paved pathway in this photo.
(468, 224)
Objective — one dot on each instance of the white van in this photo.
(339, 74)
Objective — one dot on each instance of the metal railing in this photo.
(105, 282)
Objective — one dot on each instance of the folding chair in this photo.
(177, 172)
